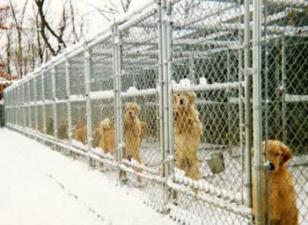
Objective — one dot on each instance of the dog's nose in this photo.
(181, 101)
(272, 167)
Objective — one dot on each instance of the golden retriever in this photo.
(63, 130)
(144, 130)
(187, 132)
(80, 133)
(107, 133)
(96, 136)
(282, 208)
(49, 126)
(132, 131)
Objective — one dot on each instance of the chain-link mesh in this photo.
(102, 101)
(285, 102)
(206, 52)
(169, 84)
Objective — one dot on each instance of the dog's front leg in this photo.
(275, 206)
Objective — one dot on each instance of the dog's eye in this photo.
(277, 154)
(179, 94)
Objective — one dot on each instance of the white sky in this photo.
(87, 9)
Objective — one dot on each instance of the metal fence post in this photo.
(68, 101)
(87, 58)
(18, 105)
(166, 92)
(23, 104)
(54, 96)
(168, 89)
(44, 104)
(248, 119)
(29, 103)
(117, 90)
(257, 108)
(283, 89)
(35, 102)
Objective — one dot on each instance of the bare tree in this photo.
(125, 4)
(18, 28)
(45, 26)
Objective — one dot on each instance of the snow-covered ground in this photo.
(41, 186)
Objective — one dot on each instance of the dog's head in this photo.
(132, 110)
(278, 154)
(184, 100)
(106, 124)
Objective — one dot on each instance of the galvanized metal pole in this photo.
(283, 89)
(23, 104)
(168, 100)
(87, 58)
(248, 109)
(118, 101)
(68, 101)
(35, 102)
(257, 109)
(166, 89)
(29, 104)
(44, 104)
(54, 96)
(160, 88)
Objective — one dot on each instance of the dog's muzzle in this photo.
(271, 166)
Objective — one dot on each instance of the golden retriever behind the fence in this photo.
(80, 132)
(107, 133)
(187, 132)
(132, 131)
(281, 209)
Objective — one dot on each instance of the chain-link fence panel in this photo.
(49, 119)
(79, 123)
(102, 100)
(77, 75)
(285, 106)
(206, 53)
(60, 81)
(142, 153)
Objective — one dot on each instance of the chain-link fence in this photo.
(175, 98)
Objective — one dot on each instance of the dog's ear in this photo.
(137, 108)
(174, 97)
(192, 97)
(127, 105)
(286, 153)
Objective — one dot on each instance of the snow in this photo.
(77, 98)
(133, 91)
(41, 186)
(186, 85)
(296, 98)
(102, 94)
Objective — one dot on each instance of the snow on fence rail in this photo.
(165, 58)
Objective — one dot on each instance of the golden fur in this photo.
(96, 136)
(80, 133)
(107, 133)
(144, 130)
(282, 196)
(49, 126)
(62, 130)
(132, 131)
(187, 132)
